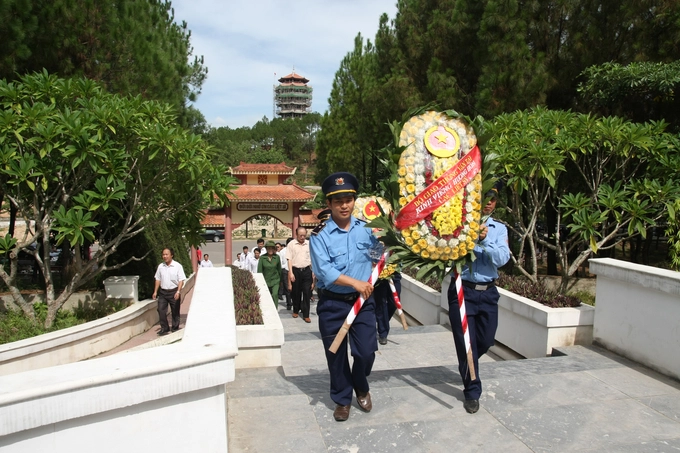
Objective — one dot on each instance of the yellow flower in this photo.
(411, 188)
(425, 254)
(422, 243)
(454, 255)
(415, 235)
(440, 250)
(406, 233)
(462, 251)
(447, 250)
(431, 248)
(410, 197)
(415, 248)
(409, 241)
(410, 178)
(402, 201)
(473, 235)
(401, 171)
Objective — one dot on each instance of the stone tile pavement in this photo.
(587, 400)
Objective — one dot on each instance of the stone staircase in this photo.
(587, 399)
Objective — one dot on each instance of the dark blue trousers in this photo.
(481, 308)
(363, 344)
(384, 303)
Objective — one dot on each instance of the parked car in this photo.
(213, 235)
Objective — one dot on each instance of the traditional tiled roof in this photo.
(281, 192)
(294, 75)
(214, 218)
(308, 218)
(262, 169)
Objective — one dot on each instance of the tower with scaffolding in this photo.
(292, 96)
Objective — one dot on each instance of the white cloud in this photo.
(246, 43)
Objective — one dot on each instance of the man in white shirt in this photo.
(244, 257)
(169, 280)
(206, 261)
(260, 245)
(251, 261)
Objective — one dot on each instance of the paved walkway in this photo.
(586, 400)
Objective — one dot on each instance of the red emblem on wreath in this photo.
(339, 181)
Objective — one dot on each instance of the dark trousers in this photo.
(302, 290)
(362, 341)
(481, 308)
(384, 303)
(167, 297)
(283, 290)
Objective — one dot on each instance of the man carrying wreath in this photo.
(340, 251)
(481, 300)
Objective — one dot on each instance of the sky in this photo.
(248, 45)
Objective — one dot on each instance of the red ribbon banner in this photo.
(441, 190)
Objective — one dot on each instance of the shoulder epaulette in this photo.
(317, 229)
(360, 221)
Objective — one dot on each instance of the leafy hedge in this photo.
(538, 292)
(521, 286)
(15, 325)
(246, 298)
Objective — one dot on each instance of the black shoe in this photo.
(471, 406)
(175, 329)
(289, 307)
(382, 341)
(163, 332)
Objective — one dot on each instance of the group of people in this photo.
(337, 259)
(340, 257)
(286, 269)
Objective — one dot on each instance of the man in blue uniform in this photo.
(340, 251)
(481, 300)
(385, 306)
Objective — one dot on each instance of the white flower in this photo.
(469, 218)
(468, 206)
(441, 243)
(462, 237)
(420, 179)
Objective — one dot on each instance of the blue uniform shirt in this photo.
(491, 253)
(335, 251)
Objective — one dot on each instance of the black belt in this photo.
(345, 297)
(302, 268)
(479, 286)
(163, 289)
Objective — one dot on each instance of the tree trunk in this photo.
(551, 227)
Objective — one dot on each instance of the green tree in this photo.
(609, 179)
(354, 125)
(129, 46)
(85, 165)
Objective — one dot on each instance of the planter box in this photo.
(638, 308)
(122, 287)
(533, 330)
(421, 302)
(260, 346)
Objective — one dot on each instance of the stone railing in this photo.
(526, 328)
(637, 313)
(82, 341)
(117, 402)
